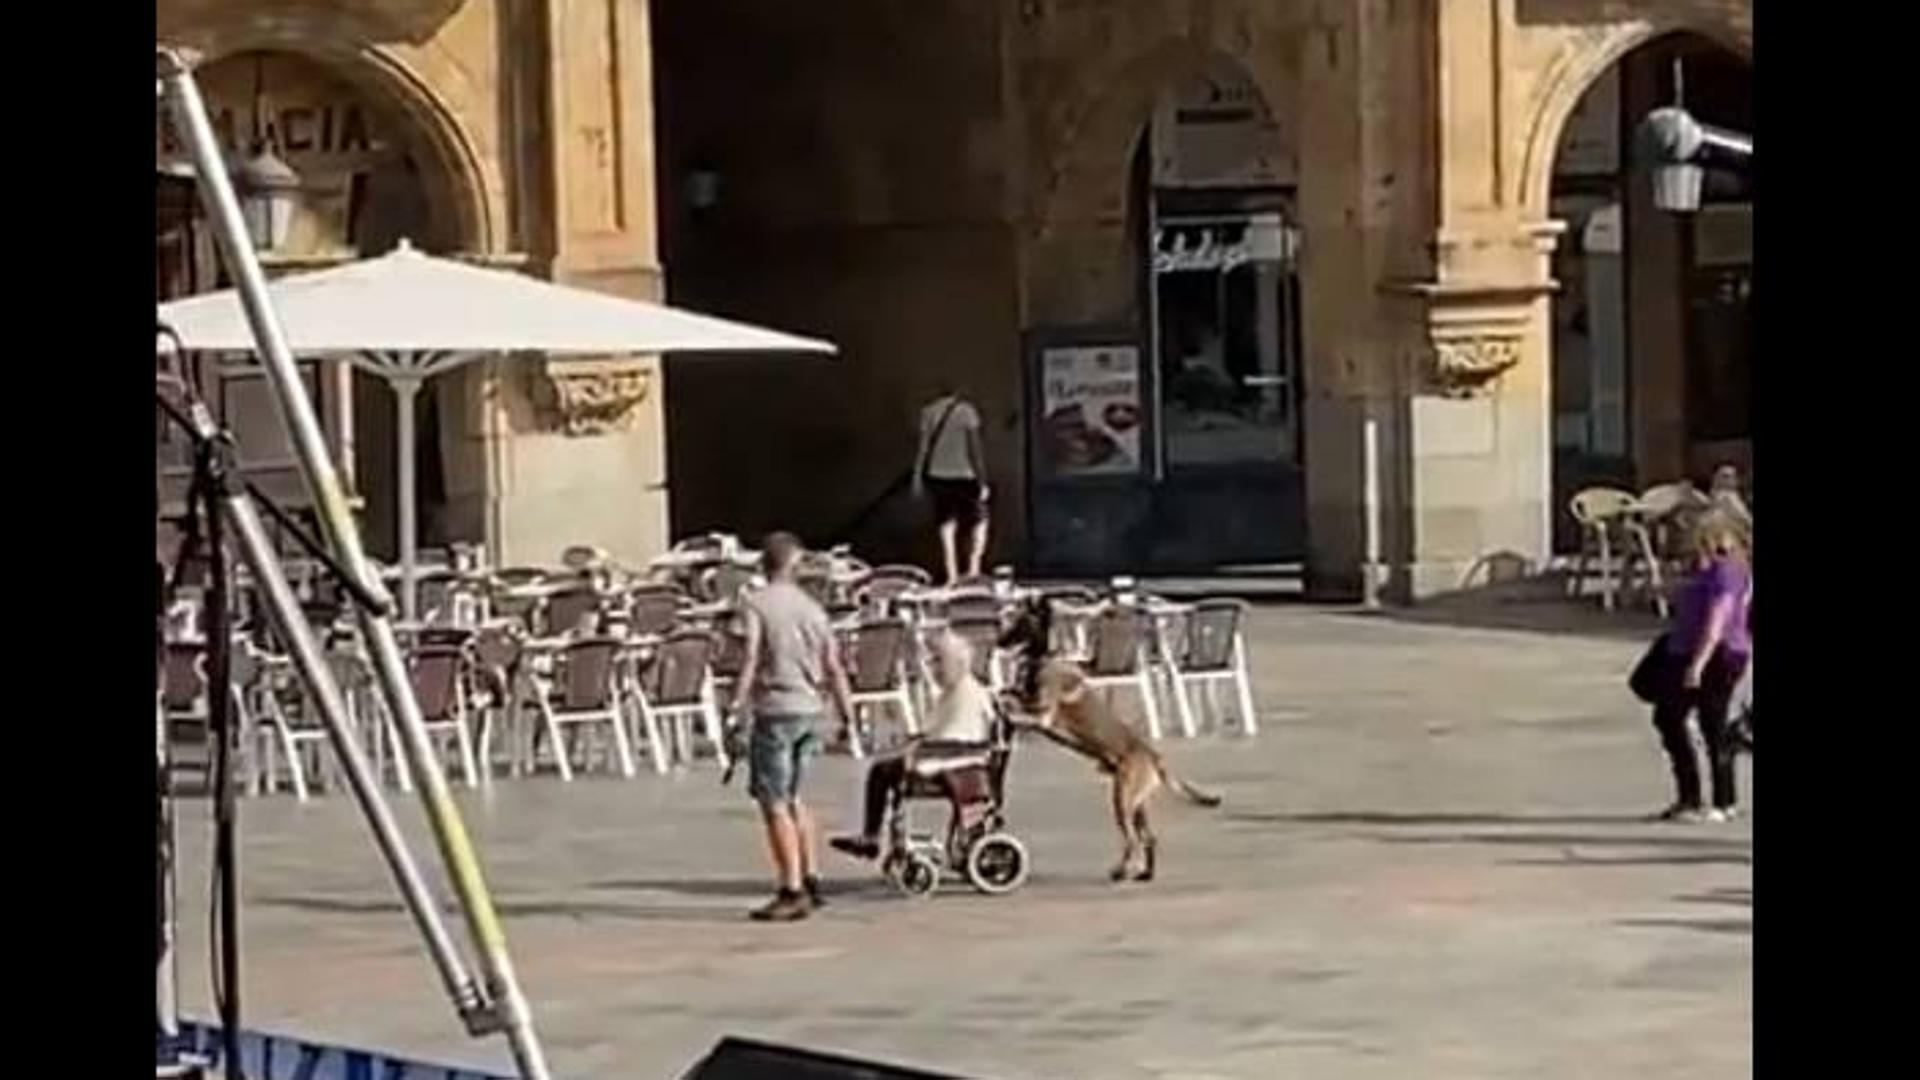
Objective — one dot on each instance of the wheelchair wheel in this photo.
(997, 863)
(916, 875)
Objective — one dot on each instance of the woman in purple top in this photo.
(1709, 645)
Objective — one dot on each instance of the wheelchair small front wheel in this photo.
(997, 863)
(917, 876)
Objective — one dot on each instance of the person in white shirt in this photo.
(961, 726)
(951, 472)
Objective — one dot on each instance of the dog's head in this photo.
(1031, 631)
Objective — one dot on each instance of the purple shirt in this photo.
(1721, 579)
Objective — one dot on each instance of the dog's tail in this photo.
(1187, 791)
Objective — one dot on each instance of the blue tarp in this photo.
(283, 1057)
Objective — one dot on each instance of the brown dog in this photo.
(1056, 695)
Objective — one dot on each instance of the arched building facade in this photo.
(1181, 252)
(508, 133)
(1366, 193)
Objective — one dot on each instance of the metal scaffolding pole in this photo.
(499, 1005)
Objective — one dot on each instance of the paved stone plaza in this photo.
(1430, 864)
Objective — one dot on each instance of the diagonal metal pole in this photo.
(506, 1008)
(317, 675)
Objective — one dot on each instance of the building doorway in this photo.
(1175, 444)
(364, 185)
(1652, 329)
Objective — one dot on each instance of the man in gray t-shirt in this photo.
(791, 665)
(951, 471)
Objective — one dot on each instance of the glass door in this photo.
(1226, 298)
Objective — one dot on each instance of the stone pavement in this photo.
(1430, 864)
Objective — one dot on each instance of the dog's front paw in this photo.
(1144, 875)
(1117, 874)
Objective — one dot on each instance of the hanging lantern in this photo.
(269, 190)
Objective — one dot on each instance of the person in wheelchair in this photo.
(958, 737)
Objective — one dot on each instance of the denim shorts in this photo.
(777, 754)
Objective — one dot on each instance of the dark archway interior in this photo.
(1652, 331)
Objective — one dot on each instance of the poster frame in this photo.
(1037, 343)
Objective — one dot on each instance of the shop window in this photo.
(1227, 301)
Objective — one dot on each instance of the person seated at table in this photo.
(961, 727)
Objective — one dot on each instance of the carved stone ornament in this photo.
(1474, 330)
(595, 397)
(1463, 366)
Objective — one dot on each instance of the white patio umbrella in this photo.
(406, 316)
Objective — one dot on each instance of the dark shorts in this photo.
(958, 501)
(777, 754)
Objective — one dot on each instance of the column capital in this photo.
(594, 396)
(1475, 330)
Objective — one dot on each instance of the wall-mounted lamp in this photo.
(703, 189)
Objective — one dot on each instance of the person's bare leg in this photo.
(783, 845)
(806, 841)
(949, 545)
(978, 554)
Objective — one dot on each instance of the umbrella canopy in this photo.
(407, 301)
(407, 315)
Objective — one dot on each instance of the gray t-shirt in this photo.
(948, 459)
(794, 634)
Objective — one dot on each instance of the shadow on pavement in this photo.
(1575, 840)
(1567, 618)
(1709, 926)
(524, 908)
(1729, 896)
(1389, 817)
(1654, 850)
(756, 888)
(1707, 858)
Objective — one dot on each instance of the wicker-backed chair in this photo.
(583, 690)
(1212, 653)
(1118, 657)
(673, 689)
(1603, 515)
(878, 653)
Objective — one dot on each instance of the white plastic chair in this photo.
(438, 674)
(1118, 658)
(492, 700)
(1602, 514)
(674, 688)
(188, 712)
(289, 734)
(582, 690)
(877, 653)
(1212, 652)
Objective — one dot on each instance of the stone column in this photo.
(1366, 212)
(1473, 441)
(574, 449)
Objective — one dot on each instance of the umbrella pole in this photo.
(406, 392)
(504, 1008)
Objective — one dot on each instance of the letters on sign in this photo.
(329, 128)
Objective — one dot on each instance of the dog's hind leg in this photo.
(1147, 842)
(1123, 818)
(1143, 781)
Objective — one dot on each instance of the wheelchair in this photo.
(977, 843)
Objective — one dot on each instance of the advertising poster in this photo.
(1091, 410)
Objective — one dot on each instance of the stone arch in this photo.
(422, 81)
(1094, 136)
(1575, 71)
(1103, 125)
